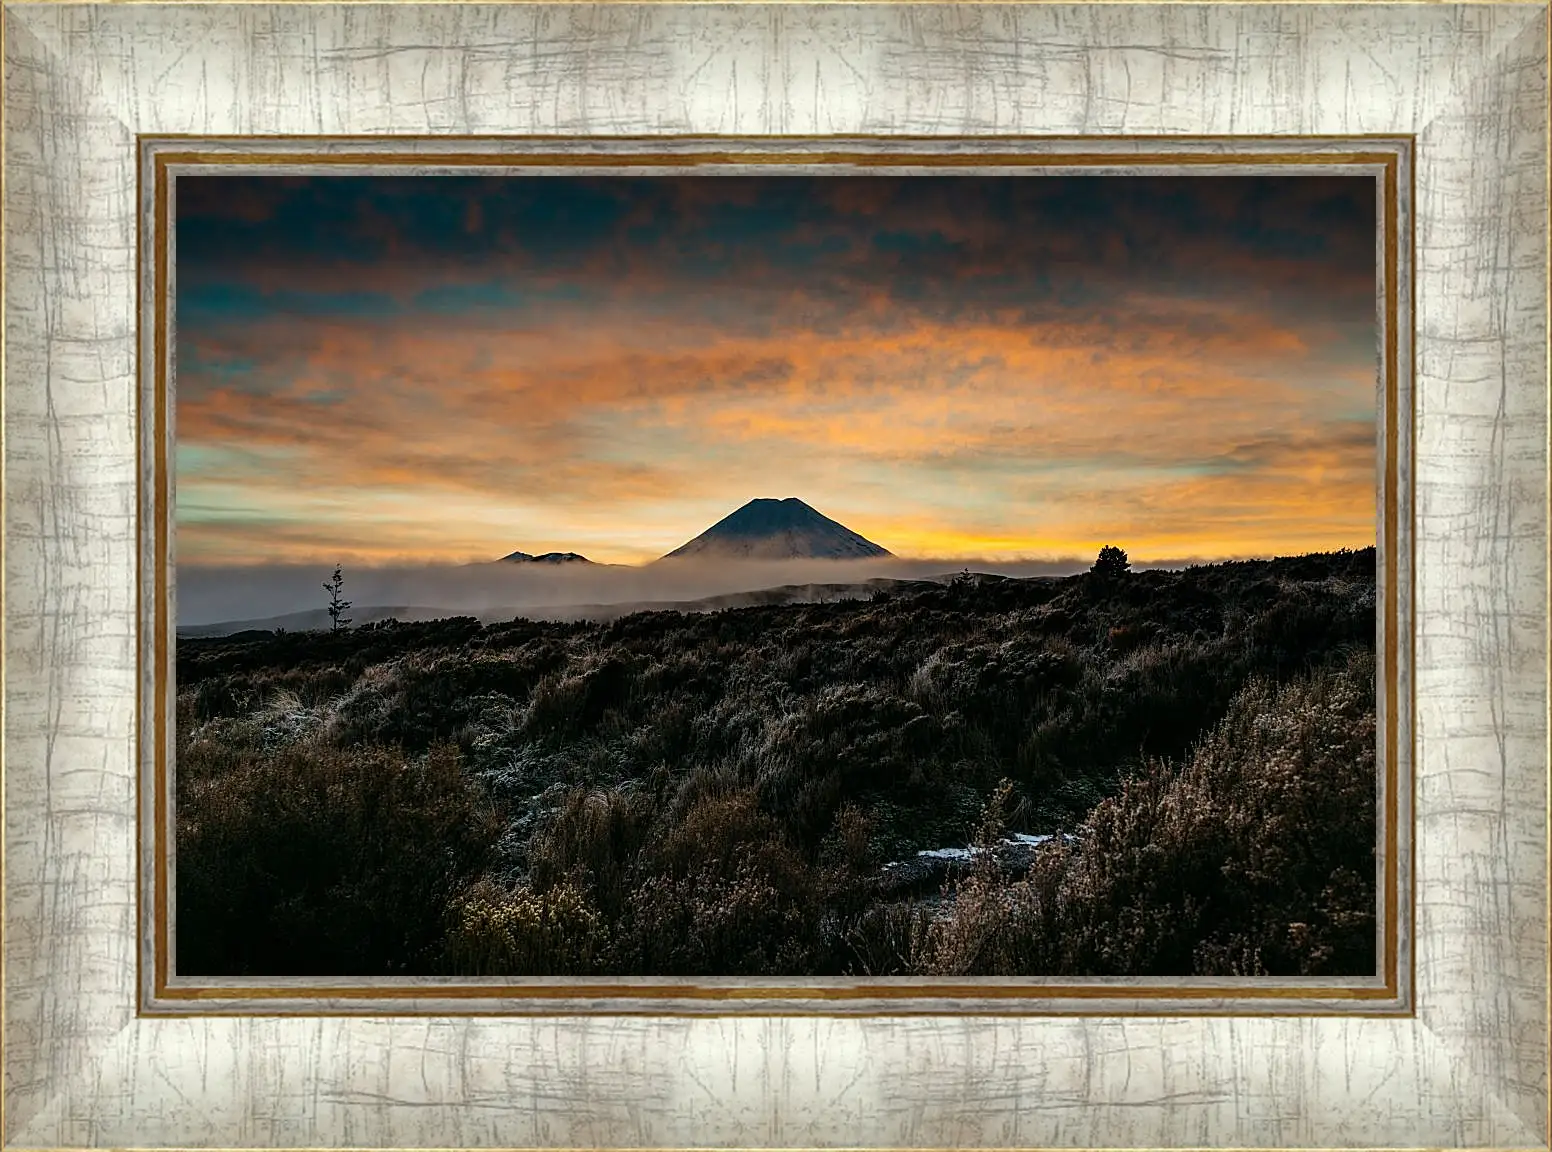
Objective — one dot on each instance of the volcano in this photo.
(778, 530)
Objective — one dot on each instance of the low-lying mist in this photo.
(257, 595)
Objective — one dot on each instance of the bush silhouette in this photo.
(1111, 564)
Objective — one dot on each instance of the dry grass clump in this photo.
(494, 930)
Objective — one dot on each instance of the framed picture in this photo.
(777, 763)
(787, 576)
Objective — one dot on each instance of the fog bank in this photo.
(210, 595)
(254, 594)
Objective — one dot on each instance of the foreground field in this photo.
(748, 792)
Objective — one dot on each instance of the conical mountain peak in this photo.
(778, 529)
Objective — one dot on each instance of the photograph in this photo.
(788, 574)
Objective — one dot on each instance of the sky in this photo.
(444, 369)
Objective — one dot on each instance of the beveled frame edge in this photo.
(1389, 157)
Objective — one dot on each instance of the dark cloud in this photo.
(962, 243)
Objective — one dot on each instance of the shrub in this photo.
(497, 931)
(893, 939)
(593, 841)
(314, 860)
(1112, 562)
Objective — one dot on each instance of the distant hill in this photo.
(546, 558)
(310, 620)
(778, 530)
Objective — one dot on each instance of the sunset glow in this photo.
(446, 369)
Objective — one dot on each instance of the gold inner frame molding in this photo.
(161, 992)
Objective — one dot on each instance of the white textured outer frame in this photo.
(1470, 1070)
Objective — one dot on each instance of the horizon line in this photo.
(892, 557)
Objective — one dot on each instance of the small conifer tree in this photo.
(338, 605)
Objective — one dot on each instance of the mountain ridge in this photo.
(546, 558)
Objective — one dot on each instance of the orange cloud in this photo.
(467, 440)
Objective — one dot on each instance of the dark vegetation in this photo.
(722, 793)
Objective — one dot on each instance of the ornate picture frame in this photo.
(1448, 105)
